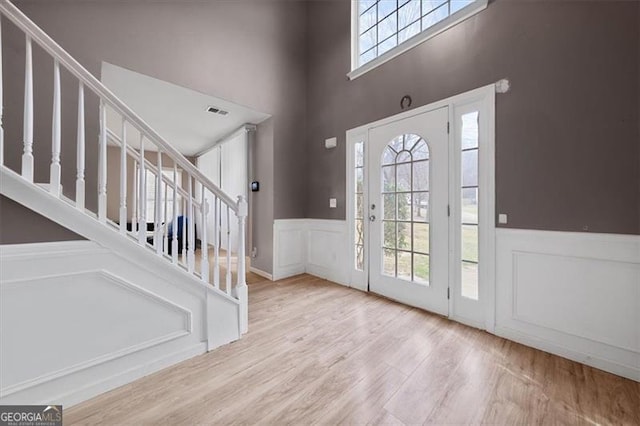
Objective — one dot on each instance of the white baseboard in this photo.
(261, 273)
(96, 388)
(576, 295)
(314, 246)
(558, 348)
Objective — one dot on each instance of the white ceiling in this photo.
(178, 114)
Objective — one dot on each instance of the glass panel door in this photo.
(408, 223)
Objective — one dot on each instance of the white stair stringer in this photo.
(83, 317)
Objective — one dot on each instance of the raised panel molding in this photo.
(45, 327)
(289, 251)
(565, 293)
(78, 319)
(573, 294)
(327, 245)
(315, 246)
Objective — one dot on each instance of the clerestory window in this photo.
(382, 29)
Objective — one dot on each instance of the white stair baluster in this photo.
(157, 228)
(123, 178)
(228, 251)
(174, 236)
(191, 241)
(165, 224)
(142, 200)
(241, 290)
(216, 246)
(184, 232)
(102, 165)
(80, 191)
(204, 206)
(134, 198)
(55, 170)
(27, 156)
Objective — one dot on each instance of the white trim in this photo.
(120, 353)
(261, 273)
(573, 294)
(445, 24)
(326, 248)
(469, 96)
(467, 311)
(244, 129)
(558, 348)
(289, 248)
(62, 248)
(313, 246)
(98, 387)
(35, 198)
(356, 278)
(486, 96)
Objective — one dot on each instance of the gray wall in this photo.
(567, 135)
(248, 52)
(19, 225)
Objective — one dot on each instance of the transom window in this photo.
(386, 25)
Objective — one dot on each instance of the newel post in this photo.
(241, 290)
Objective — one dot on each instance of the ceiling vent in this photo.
(217, 110)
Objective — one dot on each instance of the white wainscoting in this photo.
(77, 319)
(573, 294)
(327, 250)
(315, 246)
(289, 248)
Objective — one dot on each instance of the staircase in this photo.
(168, 299)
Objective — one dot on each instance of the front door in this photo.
(408, 169)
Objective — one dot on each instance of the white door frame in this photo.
(484, 98)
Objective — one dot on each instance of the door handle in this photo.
(372, 218)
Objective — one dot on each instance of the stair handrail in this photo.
(18, 18)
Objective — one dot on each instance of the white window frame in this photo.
(151, 196)
(448, 22)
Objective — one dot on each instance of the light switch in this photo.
(502, 218)
(333, 203)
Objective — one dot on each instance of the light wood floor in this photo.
(317, 352)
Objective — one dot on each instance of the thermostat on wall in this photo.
(255, 186)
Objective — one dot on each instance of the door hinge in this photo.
(448, 127)
(448, 293)
(448, 210)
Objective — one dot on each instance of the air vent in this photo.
(217, 110)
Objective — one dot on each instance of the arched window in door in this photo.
(405, 210)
